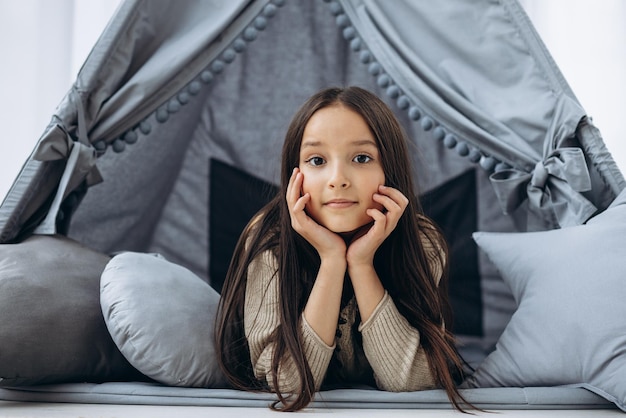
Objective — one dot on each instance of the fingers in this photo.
(298, 207)
(394, 203)
(377, 215)
(295, 201)
(294, 188)
(391, 199)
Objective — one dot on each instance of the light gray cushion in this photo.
(51, 325)
(570, 324)
(161, 316)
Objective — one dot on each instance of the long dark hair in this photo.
(401, 263)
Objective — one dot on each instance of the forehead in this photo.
(337, 124)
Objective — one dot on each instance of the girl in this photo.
(340, 279)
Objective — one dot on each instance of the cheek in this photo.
(309, 183)
(306, 186)
(378, 180)
(376, 205)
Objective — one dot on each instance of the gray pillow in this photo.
(51, 327)
(161, 316)
(570, 324)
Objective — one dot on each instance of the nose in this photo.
(339, 178)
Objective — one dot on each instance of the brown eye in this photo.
(315, 161)
(362, 159)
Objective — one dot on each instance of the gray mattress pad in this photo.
(136, 393)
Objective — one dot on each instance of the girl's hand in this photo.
(326, 242)
(363, 247)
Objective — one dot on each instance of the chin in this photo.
(349, 229)
(343, 230)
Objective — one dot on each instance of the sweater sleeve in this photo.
(392, 346)
(262, 318)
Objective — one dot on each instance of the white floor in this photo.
(33, 409)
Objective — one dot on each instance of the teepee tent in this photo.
(169, 140)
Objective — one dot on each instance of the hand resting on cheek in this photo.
(364, 245)
(325, 242)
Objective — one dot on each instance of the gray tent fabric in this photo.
(123, 77)
(425, 49)
(426, 59)
(176, 92)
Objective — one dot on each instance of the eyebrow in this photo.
(358, 142)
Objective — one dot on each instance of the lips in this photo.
(339, 203)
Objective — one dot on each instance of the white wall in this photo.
(44, 42)
(587, 39)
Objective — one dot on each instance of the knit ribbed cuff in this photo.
(317, 352)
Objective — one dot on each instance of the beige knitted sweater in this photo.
(388, 347)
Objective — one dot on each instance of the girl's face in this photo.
(342, 170)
